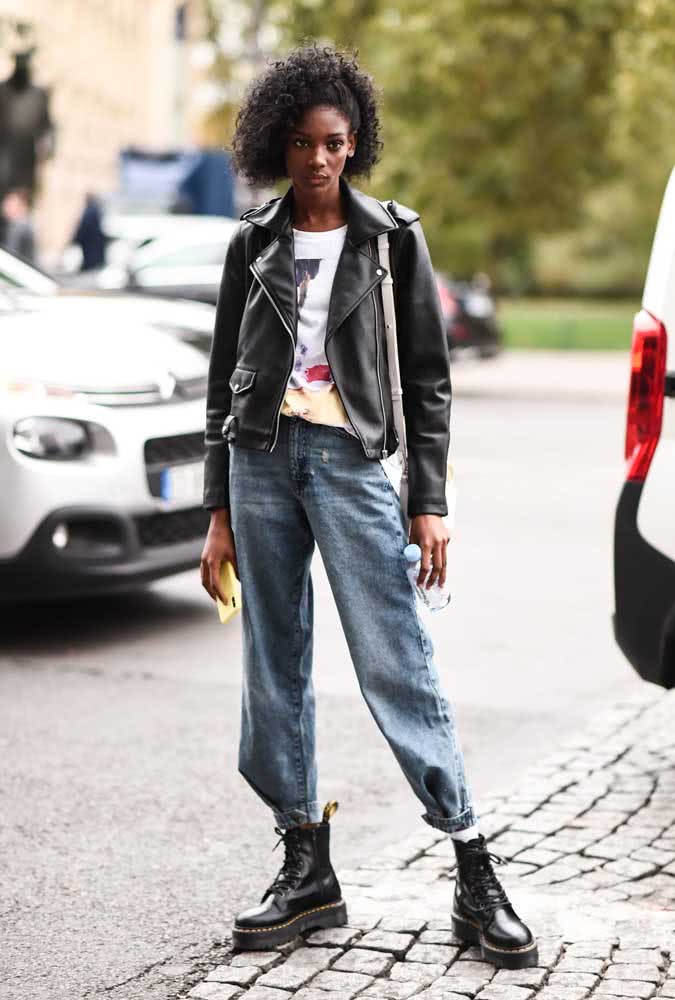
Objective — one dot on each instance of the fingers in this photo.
(218, 548)
(440, 562)
(433, 564)
(444, 563)
(210, 574)
(425, 562)
(205, 573)
(215, 581)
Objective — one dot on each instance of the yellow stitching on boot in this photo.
(495, 947)
(276, 927)
(329, 810)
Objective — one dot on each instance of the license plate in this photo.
(183, 483)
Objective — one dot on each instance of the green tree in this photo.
(496, 113)
(608, 251)
(534, 138)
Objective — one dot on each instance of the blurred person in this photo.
(26, 128)
(89, 235)
(17, 232)
(299, 416)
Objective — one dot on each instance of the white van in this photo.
(644, 540)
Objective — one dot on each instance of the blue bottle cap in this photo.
(412, 552)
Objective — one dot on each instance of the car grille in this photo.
(171, 527)
(173, 450)
(184, 389)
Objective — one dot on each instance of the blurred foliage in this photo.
(534, 139)
(566, 324)
(609, 250)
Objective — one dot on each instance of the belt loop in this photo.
(228, 429)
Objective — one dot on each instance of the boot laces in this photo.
(476, 871)
(291, 869)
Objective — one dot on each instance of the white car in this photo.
(101, 444)
(644, 541)
(186, 263)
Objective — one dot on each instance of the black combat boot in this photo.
(305, 894)
(482, 913)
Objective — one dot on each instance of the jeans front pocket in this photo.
(341, 432)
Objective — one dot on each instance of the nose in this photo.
(317, 161)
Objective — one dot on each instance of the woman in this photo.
(299, 415)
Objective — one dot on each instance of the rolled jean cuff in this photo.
(296, 817)
(451, 824)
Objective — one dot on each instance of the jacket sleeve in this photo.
(229, 311)
(425, 371)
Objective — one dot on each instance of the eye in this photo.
(335, 142)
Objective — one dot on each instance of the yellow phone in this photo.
(231, 589)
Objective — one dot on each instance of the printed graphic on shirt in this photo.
(305, 270)
(313, 278)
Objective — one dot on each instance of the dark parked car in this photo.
(470, 315)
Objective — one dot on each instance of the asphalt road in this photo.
(127, 836)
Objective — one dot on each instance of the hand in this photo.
(218, 547)
(431, 534)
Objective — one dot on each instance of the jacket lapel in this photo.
(357, 273)
(274, 267)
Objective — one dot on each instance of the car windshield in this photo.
(15, 300)
(17, 273)
(197, 255)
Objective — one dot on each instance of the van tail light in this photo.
(645, 396)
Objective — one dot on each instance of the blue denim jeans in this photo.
(318, 486)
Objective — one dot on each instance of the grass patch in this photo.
(567, 324)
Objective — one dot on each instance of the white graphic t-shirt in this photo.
(311, 391)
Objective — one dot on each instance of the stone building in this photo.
(120, 74)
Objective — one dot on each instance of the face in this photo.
(317, 149)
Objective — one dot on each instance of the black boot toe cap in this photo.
(266, 914)
(506, 930)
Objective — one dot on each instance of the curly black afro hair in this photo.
(276, 100)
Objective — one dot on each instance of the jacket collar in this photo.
(366, 216)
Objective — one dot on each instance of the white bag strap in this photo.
(387, 289)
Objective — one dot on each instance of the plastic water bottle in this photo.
(435, 598)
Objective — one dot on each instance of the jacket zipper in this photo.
(379, 382)
(363, 443)
(290, 334)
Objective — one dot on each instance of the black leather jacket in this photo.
(254, 338)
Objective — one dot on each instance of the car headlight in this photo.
(51, 437)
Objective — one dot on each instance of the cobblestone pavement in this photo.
(589, 835)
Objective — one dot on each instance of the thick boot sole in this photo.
(502, 958)
(261, 938)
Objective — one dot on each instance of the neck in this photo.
(320, 210)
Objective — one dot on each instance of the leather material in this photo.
(481, 899)
(313, 882)
(255, 333)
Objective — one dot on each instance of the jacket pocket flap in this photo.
(242, 379)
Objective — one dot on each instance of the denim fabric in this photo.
(318, 486)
